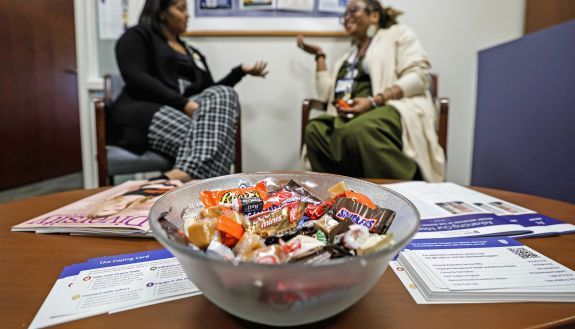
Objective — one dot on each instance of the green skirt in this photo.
(367, 146)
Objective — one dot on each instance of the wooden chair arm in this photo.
(238, 150)
(443, 121)
(307, 106)
(101, 156)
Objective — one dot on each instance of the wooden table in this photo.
(30, 264)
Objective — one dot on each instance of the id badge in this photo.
(343, 85)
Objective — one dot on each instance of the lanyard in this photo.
(353, 71)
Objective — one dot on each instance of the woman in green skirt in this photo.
(381, 117)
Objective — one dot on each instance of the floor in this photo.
(59, 184)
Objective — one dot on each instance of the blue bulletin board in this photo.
(269, 8)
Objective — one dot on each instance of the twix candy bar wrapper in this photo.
(377, 220)
(278, 221)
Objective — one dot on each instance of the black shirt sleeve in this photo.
(235, 76)
(133, 57)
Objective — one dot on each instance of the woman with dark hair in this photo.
(381, 117)
(170, 103)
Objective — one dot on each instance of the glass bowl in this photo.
(288, 294)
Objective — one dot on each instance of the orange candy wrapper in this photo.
(232, 196)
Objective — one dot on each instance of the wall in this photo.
(452, 31)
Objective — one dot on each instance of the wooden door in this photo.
(39, 112)
(541, 14)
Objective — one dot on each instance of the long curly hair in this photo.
(387, 15)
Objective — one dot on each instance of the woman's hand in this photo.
(357, 106)
(258, 69)
(191, 107)
(308, 47)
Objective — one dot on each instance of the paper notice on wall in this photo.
(112, 18)
(298, 5)
(257, 4)
(332, 6)
(215, 4)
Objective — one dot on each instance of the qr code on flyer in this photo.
(523, 253)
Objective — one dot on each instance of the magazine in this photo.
(119, 211)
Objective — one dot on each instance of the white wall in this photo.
(271, 107)
(452, 31)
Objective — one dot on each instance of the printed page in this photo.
(167, 280)
(449, 199)
(138, 280)
(50, 305)
(111, 20)
(450, 210)
(489, 263)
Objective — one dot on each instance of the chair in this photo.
(113, 160)
(442, 105)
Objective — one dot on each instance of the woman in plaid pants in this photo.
(170, 103)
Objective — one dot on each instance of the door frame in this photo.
(89, 84)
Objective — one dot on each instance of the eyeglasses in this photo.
(350, 12)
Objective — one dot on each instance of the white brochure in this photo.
(489, 269)
(113, 284)
(449, 210)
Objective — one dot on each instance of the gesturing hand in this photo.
(308, 47)
(258, 69)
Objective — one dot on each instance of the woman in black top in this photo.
(170, 103)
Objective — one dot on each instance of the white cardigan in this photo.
(396, 57)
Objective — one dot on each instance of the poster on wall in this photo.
(256, 4)
(297, 5)
(112, 18)
(269, 8)
(215, 4)
(332, 6)
(228, 15)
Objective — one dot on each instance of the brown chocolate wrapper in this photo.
(280, 221)
(332, 227)
(377, 220)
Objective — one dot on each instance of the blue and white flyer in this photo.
(113, 284)
(481, 270)
(449, 210)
